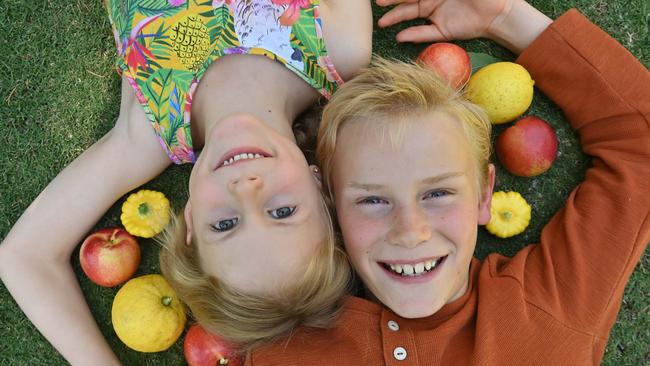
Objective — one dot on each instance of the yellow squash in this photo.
(145, 213)
(510, 214)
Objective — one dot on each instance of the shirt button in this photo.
(399, 353)
(392, 325)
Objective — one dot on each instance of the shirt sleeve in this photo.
(589, 248)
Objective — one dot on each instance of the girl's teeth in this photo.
(419, 268)
(408, 269)
(242, 156)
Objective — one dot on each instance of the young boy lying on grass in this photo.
(406, 160)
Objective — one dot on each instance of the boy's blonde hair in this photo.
(250, 319)
(391, 92)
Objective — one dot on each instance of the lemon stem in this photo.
(166, 300)
(143, 209)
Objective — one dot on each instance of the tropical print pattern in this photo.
(165, 46)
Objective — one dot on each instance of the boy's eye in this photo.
(372, 201)
(435, 194)
(225, 225)
(282, 212)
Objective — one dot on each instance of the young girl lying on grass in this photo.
(226, 79)
(406, 160)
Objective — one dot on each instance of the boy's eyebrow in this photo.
(429, 180)
(441, 177)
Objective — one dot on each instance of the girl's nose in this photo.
(246, 184)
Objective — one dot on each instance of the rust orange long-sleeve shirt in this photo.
(553, 303)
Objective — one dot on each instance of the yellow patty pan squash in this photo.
(147, 314)
(510, 214)
(145, 213)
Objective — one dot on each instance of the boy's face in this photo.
(409, 212)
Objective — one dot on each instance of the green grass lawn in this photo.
(60, 93)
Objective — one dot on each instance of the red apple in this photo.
(109, 257)
(202, 348)
(527, 148)
(449, 61)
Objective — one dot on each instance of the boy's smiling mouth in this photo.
(413, 269)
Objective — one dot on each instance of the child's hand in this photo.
(513, 24)
(450, 19)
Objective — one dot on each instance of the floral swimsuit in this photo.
(165, 46)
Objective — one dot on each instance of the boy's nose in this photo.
(410, 228)
(245, 184)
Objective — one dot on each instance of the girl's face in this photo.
(254, 207)
(409, 212)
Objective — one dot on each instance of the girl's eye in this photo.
(372, 201)
(435, 194)
(225, 225)
(282, 212)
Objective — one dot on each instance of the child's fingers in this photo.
(400, 13)
(421, 33)
(394, 2)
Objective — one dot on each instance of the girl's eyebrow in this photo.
(429, 180)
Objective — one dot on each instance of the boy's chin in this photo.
(417, 310)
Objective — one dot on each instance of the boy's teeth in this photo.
(242, 156)
(414, 269)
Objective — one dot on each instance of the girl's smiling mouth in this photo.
(240, 154)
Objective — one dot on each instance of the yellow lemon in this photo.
(503, 89)
(147, 315)
(510, 214)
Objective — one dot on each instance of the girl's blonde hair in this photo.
(249, 319)
(389, 93)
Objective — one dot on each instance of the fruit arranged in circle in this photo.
(202, 348)
(449, 61)
(527, 148)
(510, 214)
(109, 257)
(147, 314)
(145, 213)
(503, 89)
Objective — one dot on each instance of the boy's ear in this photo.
(486, 198)
(188, 223)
